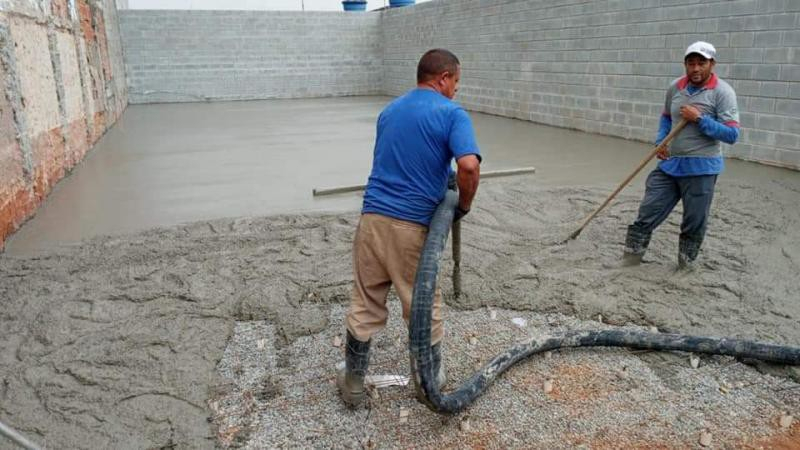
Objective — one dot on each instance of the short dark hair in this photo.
(435, 62)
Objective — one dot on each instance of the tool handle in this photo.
(675, 130)
(457, 259)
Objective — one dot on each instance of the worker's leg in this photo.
(697, 194)
(368, 312)
(660, 197)
(371, 280)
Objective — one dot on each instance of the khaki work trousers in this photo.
(385, 253)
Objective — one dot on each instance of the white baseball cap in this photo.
(702, 48)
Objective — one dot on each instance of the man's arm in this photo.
(664, 127)
(665, 123)
(727, 133)
(468, 177)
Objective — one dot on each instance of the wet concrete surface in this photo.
(163, 165)
(134, 341)
(131, 341)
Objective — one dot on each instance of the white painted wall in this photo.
(273, 5)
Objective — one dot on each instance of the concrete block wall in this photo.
(603, 66)
(177, 56)
(62, 85)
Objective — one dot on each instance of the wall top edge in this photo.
(246, 11)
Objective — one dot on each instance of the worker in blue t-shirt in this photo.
(418, 136)
(688, 170)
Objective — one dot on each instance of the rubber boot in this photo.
(438, 369)
(350, 378)
(688, 249)
(636, 242)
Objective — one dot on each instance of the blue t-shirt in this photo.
(418, 135)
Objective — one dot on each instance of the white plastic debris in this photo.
(786, 420)
(337, 341)
(654, 329)
(547, 386)
(600, 318)
(548, 355)
(705, 438)
(694, 361)
(465, 426)
(403, 415)
(492, 314)
(261, 343)
(382, 381)
(519, 321)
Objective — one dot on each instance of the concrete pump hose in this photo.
(464, 395)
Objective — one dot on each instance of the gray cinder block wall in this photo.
(600, 66)
(179, 56)
(603, 66)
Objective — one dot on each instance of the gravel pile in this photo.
(597, 398)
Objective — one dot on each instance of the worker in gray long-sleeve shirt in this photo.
(688, 170)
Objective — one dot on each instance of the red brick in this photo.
(85, 15)
(77, 143)
(60, 9)
(19, 206)
(99, 126)
(48, 155)
(102, 43)
(15, 198)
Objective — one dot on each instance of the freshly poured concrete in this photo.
(167, 164)
(218, 332)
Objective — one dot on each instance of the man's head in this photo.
(439, 70)
(699, 60)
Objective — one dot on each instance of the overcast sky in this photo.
(280, 5)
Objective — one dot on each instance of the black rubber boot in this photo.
(438, 369)
(688, 249)
(636, 242)
(350, 378)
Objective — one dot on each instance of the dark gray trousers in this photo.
(662, 193)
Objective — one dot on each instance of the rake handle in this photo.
(630, 177)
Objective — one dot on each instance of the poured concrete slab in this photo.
(218, 332)
(163, 165)
(167, 164)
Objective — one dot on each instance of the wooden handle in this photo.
(677, 129)
(457, 260)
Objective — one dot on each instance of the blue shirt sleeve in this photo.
(718, 131)
(462, 136)
(664, 126)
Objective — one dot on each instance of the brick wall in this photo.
(62, 86)
(175, 56)
(603, 65)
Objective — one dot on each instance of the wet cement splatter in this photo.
(116, 342)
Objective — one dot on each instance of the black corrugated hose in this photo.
(464, 395)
